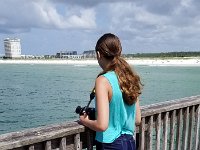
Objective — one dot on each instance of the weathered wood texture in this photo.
(168, 125)
(176, 123)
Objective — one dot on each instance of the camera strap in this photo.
(92, 95)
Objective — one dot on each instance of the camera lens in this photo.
(78, 109)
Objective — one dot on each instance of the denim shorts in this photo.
(124, 142)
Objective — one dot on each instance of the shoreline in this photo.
(135, 61)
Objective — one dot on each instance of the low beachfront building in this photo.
(69, 55)
(72, 56)
(89, 54)
(61, 54)
(12, 48)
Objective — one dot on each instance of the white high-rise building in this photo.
(12, 48)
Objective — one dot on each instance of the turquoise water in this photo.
(35, 95)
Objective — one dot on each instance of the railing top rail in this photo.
(169, 105)
(36, 135)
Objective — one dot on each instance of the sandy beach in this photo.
(167, 62)
(143, 61)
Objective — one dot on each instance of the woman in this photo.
(117, 89)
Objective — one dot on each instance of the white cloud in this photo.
(136, 20)
(146, 26)
(186, 3)
(86, 19)
(22, 15)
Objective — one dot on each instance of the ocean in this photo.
(33, 95)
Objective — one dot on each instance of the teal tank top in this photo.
(121, 115)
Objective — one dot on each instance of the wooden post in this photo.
(185, 128)
(48, 145)
(178, 137)
(158, 127)
(172, 127)
(191, 124)
(196, 131)
(142, 131)
(165, 127)
(77, 144)
(31, 147)
(149, 133)
(63, 145)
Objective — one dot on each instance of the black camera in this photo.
(90, 111)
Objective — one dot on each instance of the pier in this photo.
(168, 125)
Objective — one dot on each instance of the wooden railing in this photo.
(168, 125)
(172, 125)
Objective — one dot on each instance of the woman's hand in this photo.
(84, 118)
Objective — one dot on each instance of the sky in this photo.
(143, 26)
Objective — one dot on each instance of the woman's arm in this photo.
(138, 113)
(102, 104)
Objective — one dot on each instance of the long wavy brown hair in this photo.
(109, 47)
